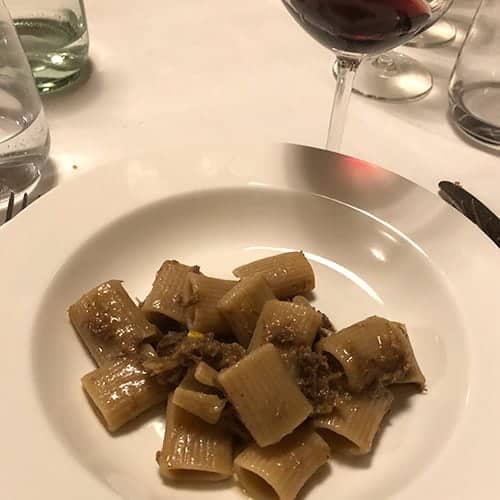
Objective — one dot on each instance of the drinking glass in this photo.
(24, 136)
(397, 77)
(474, 90)
(355, 29)
(55, 38)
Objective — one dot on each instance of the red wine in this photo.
(360, 26)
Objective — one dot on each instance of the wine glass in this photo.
(355, 29)
(440, 34)
(394, 76)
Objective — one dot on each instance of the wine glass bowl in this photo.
(397, 77)
(360, 26)
(354, 29)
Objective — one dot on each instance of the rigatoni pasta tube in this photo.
(286, 323)
(193, 449)
(195, 398)
(109, 322)
(325, 320)
(122, 390)
(206, 375)
(301, 300)
(208, 407)
(413, 373)
(281, 470)
(265, 395)
(374, 349)
(200, 297)
(357, 418)
(287, 274)
(165, 297)
(242, 305)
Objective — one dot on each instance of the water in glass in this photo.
(55, 38)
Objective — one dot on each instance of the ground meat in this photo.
(389, 367)
(319, 377)
(220, 355)
(180, 352)
(169, 342)
(284, 337)
(325, 322)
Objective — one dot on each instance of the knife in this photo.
(472, 208)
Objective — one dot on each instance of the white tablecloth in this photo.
(205, 71)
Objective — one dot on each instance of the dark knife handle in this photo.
(472, 208)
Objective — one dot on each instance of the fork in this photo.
(10, 206)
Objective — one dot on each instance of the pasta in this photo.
(208, 407)
(122, 390)
(109, 323)
(268, 410)
(287, 323)
(413, 373)
(193, 449)
(206, 375)
(245, 363)
(374, 349)
(242, 305)
(287, 274)
(194, 398)
(200, 297)
(165, 298)
(357, 418)
(281, 470)
(147, 351)
(325, 320)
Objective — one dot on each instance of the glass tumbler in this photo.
(55, 38)
(474, 90)
(24, 135)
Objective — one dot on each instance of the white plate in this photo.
(379, 245)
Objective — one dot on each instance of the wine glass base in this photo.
(392, 77)
(439, 34)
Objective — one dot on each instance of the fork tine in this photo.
(25, 201)
(10, 207)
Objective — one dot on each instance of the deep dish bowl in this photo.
(379, 245)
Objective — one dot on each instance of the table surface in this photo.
(199, 71)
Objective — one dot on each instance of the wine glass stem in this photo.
(346, 70)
